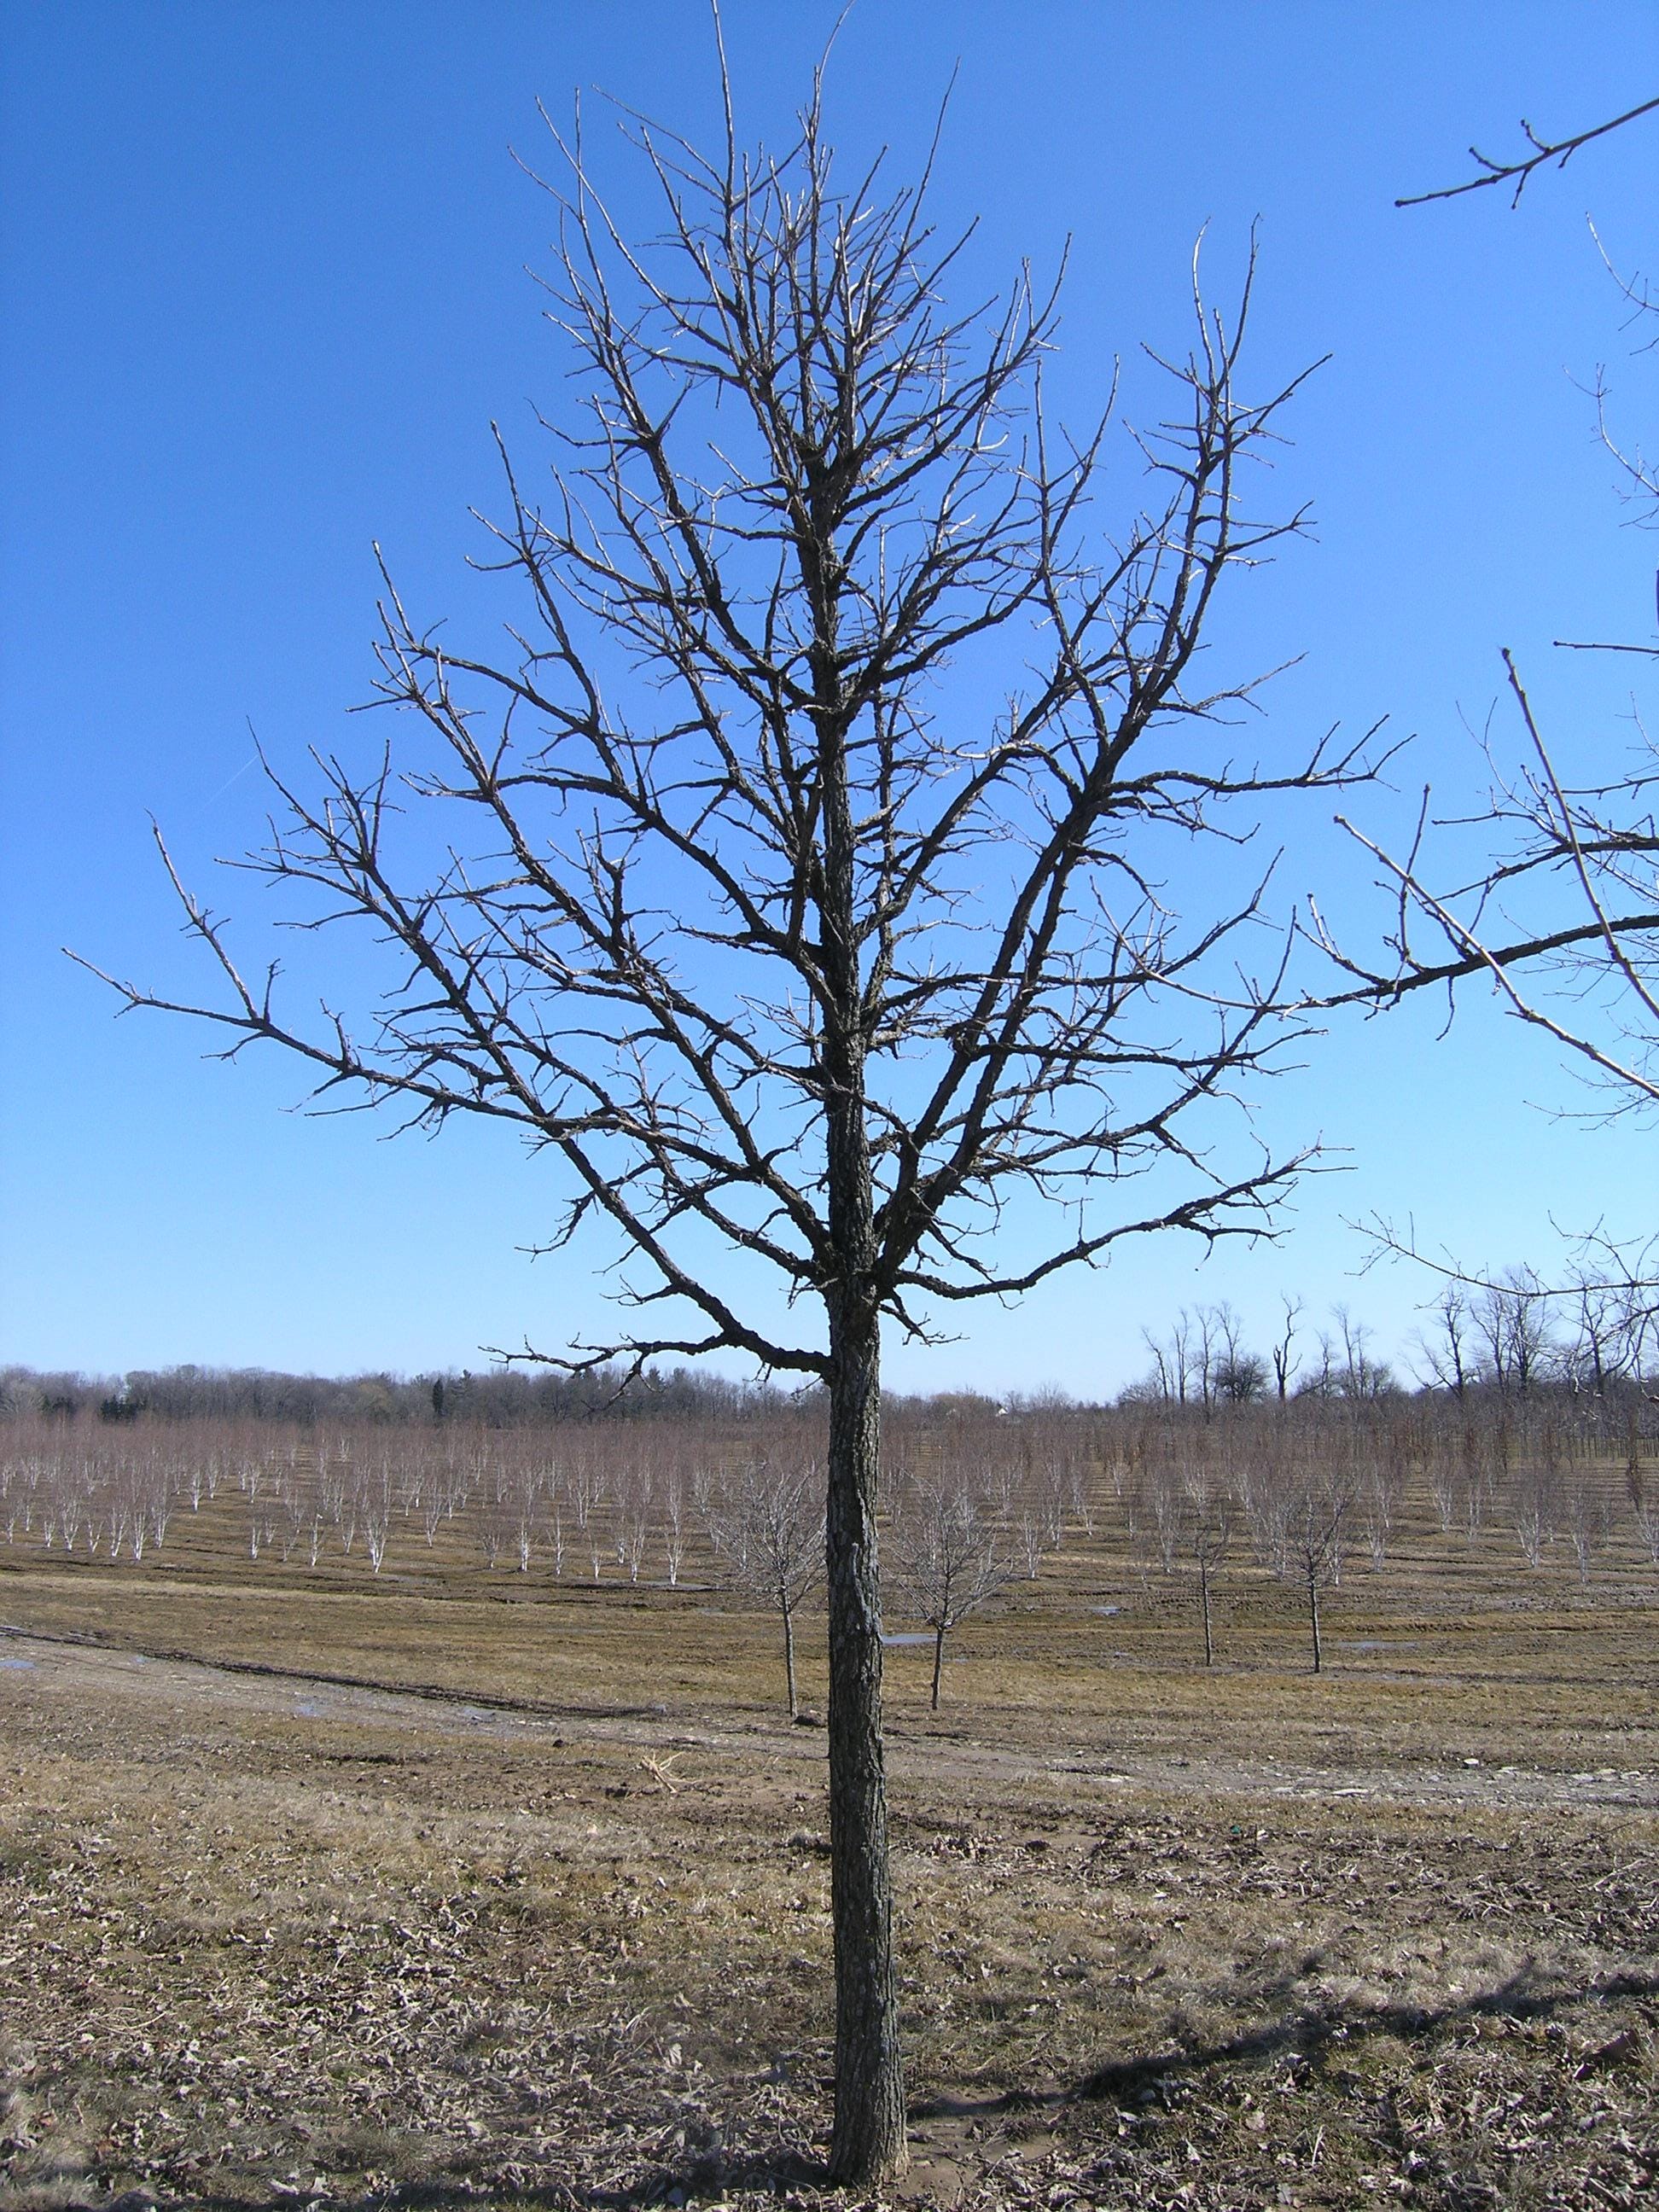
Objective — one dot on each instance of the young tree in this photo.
(1316, 1535)
(767, 1527)
(772, 944)
(1385, 1456)
(1299, 1499)
(1206, 1528)
(949, 1557)
(1535, 1507)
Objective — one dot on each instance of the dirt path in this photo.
(68, 1665)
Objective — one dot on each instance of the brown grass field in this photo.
(448, 1888)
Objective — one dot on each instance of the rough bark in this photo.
(868, 2143)
(869, 2123)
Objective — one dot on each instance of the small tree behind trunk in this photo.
(767, 1526)
(949, 1556)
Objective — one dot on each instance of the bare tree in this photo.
(737, 924)
(1208, 1355)
(1237, 1376)
(1511, 1317)
(1587, 855)
(767, 1527)
(949, 1556)
(1445, 1352)
(1558, 911)
(1173, 1364)
(1535, 1506)
(1316, 1539)
(1206, 1533)
(1589, 1515)
(1644, 1502)
(1032, 1534)
(1283, 1350)
(1384, 1471)
(1359, 1378)
(1299, 1498)
(1611, 1320)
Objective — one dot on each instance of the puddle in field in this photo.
(910, 1636)
(17, 1663)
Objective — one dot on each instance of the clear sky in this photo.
(265, 290)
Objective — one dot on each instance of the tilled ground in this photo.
(266, 1940)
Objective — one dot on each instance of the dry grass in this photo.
(1230, 1939)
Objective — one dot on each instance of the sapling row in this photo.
(1192, 1499)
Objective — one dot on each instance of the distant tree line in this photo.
(498, 1398)
(1506, 1332)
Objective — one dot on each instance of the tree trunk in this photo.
(1313, 1611)
(938, 1662)
(789, 1655)
(1204, 1594)
(868, 2143)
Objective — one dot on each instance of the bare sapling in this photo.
(378, 1503)
(1207, 1532)
(766, 1525)
(1535, 1491)
(635, 1500)
(1300, 1499)
(949, 1556)
(1032, 1537)
(1589, 1515)
(672, 1493)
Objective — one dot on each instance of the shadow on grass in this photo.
(1306, 2030)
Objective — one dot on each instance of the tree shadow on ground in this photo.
(1304, 2029)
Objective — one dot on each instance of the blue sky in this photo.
(265, 290)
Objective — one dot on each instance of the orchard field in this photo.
(412, 1813)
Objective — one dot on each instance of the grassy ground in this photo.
(558, 1933)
